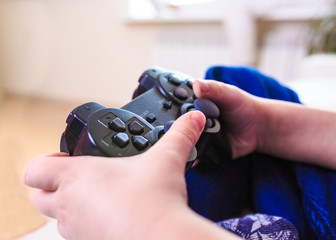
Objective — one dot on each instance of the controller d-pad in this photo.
(140, 142)
(181, 93)
(107, 118)
(121, 139)
(135, 128)
(117, 125)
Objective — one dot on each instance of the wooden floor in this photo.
(28, 128)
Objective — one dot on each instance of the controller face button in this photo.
(208, 108)
(174, 79)
(167, 105)
(140, 142)
(121, 139)
(151, 117)
(117, 125)
(181, 93)
(189, 84)
(136, 128)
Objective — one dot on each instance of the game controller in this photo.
(161, 97)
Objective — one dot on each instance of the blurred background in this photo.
(57, 54)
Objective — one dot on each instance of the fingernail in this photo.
(203, 85)
(24, 174)
(199, 119)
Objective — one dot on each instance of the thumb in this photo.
(175, 146)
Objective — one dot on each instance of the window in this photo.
(176, 9)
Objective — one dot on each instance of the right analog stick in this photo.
(208, 108)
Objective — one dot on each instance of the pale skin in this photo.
(144, 196)
(286, 130)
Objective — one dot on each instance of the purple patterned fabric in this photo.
(261, 227)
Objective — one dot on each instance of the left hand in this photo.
(116, 198)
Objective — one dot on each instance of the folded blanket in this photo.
(303, 194)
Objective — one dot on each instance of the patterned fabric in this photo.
(261, 227)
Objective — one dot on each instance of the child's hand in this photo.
(240, 115)
(116, 198)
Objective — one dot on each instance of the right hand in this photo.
(240, 114)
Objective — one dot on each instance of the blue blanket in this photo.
(303, 194)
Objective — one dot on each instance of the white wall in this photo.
(84, 50)
(72, 49)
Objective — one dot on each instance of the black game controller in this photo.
(160, 99)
